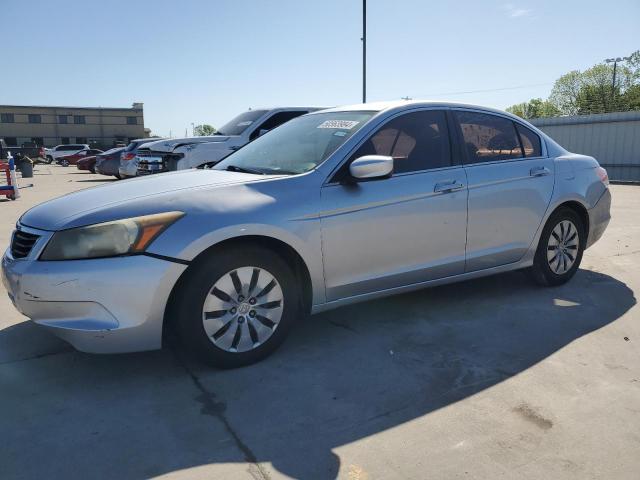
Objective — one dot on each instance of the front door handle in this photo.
(448, 187)
(539, 172)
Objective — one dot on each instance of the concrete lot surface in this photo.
(492, 378)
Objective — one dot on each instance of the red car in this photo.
(73, 159)
(87, 163)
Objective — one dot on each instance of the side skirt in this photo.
(527, 261)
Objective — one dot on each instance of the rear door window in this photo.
(530, 141)
(488, 138)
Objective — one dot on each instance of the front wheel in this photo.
(560, 248)
(49, 159)
(237, 306)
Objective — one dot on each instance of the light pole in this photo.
(364, 51)
(615, 66)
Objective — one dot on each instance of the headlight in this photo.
(109, 239)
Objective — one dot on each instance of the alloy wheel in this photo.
(562, 249)
(242, 309)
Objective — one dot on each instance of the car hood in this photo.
(129, 198)
(171, 145)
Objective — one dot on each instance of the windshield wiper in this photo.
(235, 168)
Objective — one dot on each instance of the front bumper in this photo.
(109, 305)
(599, 217)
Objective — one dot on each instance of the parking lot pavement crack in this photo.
(342, 325)
(40, 355)
(214, 408)
(624, 254)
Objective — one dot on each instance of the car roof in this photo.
(150, 139)
(404, 104)
(311, 109)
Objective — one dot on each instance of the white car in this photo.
(191, 152)
(52, 154)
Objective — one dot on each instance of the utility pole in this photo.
(364, 51)
(615, 67)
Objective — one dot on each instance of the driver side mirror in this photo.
(370, 167)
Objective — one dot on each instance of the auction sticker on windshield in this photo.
(344, 124)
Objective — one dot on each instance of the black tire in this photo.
(49, 159)
(92, 170)
(197, 286)
(541, 271)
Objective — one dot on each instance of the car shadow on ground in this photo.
(342, 376)
(93, 180)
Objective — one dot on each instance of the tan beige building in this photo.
(50, 126)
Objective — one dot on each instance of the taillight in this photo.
(603, 175)
(128, 156)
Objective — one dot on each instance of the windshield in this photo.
(240, 123)
(297, 146)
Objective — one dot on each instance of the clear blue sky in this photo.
(205, 61)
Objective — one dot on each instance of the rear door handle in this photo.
(539, 172)
(447, 187)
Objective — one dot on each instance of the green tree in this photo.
(534, 108)
(590, 91)
(204, 130)
(565, 91)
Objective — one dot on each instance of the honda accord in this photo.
(334, 207)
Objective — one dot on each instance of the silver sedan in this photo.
(334, 207)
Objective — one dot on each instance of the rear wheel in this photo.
(560, 248)
(237, 306)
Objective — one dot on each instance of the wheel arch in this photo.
(579, 209)
(289, 254)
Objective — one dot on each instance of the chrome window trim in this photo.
(405, 174)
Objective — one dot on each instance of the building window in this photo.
(65, 141)
(6, 118)
(63, 119)
(11, 141)
(81, 140)
(79, 119)
(132, 120)
(35, 118)
(39, 141)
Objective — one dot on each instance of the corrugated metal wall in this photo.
(612, 138)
